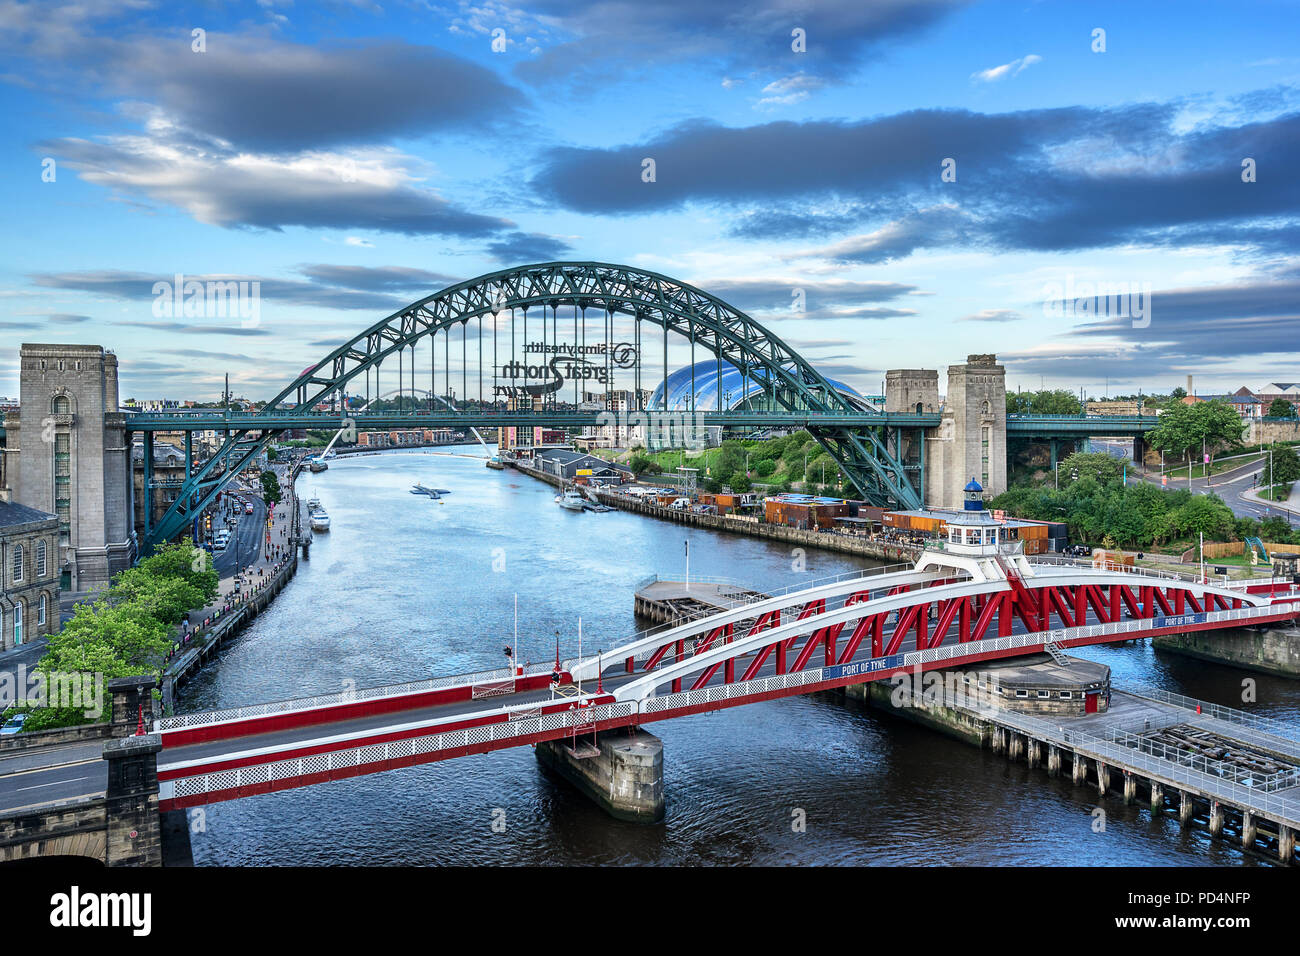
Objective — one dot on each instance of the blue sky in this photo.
(353, 157)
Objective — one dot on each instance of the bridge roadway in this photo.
(32, 778)
(309, 745)
(1025, 426)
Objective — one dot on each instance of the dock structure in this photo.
(1225, 769)
(678, 602)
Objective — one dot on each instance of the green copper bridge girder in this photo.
(790, 381)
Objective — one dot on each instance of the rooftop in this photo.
(12, 513)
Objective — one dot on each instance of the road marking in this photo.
(50, 766)
(52, 783)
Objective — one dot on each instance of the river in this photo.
(405, 587)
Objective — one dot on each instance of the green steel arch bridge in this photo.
(618, 328)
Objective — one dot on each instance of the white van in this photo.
(220, 542)
(681, 504)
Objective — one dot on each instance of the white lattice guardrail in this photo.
(272, 708)
(392, 750)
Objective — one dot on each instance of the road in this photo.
(246, 537)
(1231, 485)
(31, 778)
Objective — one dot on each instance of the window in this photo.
(62, 405)
(18, 564)
(40, 617)
(1022, 693)
(1065, 695)
(1044, 694)
(18, 623)
(41, 562)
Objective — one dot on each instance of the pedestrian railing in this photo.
(1270, 725)
(523, 722)
(1281, 806)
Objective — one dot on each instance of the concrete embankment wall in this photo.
(1273, 651)
(845, 544)
(1272, 430)
(58, 737)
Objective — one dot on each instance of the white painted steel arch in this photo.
(586, 668)
(645, 686)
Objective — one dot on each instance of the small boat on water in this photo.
(313, 504)
(320, 521)
(496, 464)
(317, 464)
(571, 500)
(420, 489)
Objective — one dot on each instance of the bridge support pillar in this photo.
(1184, 807)
(1053, 759)
(1248, 829)
(1017, 746)
(1157, 797)
(1103, 778)
(134, 835)
(1079, 769)
(1035, 751)
(131, 696)
(623, 771)
(1216, 818)
(1130, 787)
(1285, 844)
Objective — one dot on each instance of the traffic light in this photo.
(207, 522)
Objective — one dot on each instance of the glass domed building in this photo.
(720, 386)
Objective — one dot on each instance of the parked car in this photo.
(14, 724)
(248, 509)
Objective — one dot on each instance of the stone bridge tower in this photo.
(68, 453)
(971, 441)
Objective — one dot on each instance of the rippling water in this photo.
(404, 587)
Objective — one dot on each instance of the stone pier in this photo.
(134, 834)
(623, 771)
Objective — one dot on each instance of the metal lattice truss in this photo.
(791, 382)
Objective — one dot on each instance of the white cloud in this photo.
(994, 73)
(794, 88)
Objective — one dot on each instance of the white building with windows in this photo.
(29, 574)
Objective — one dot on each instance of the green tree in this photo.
(1099, 466)
(1285, 466)
(271, 488)
(1182, 429)
(740, 483)
(1044, 402)
(1280, 408)
(765, 468)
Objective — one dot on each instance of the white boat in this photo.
(571, 500)
(320, 521)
